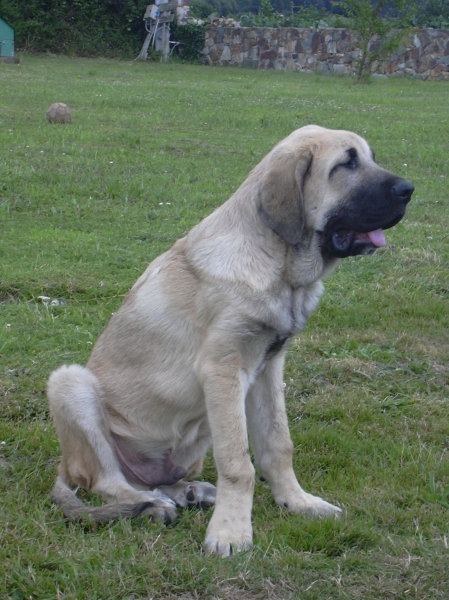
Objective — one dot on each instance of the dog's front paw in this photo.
(228, 535)
(310, 505)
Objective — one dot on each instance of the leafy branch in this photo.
(380, 33)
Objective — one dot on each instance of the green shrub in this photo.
(200, 9)
(81, 27)
(303, 17)
(191, 39)
(433, 13)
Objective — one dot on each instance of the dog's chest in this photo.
(288, 320)
(294, 308)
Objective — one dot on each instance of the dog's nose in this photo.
(404, 190)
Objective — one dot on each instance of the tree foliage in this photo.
(303, 17)
(433, 13)
(223, 8)
(266, 9)
(201, 9)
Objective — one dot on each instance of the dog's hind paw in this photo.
(194, 493)
(201, 494)
(159, 509)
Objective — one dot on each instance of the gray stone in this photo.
(250, 63)
(254, 53)
(307, 43)
(339, 69)
(226, 54)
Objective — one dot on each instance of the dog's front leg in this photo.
(272, 445)
(225, 386)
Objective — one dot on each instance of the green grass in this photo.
(83, 208)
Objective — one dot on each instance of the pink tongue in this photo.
(377, 237)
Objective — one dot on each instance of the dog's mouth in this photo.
(344, 239)
(350, 242)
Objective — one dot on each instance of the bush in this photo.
(200, 9)
(304, 17)
(82, 27)
(433, 13)
(191, 40)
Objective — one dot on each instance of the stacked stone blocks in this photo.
(424, 54)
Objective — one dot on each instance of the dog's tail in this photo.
(74, 509)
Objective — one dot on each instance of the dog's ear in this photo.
(280, 198)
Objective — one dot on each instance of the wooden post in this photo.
(144, 52)
(165, 43)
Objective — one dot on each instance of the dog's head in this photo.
(324, 187)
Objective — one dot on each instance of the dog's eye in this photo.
(351, 164)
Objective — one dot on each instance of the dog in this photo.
(194, 356)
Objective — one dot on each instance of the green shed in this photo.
(6, 40)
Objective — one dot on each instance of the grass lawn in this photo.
(84, 207)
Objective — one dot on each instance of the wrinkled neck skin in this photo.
(305, 264)
(234, 244)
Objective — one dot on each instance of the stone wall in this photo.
(424, 54)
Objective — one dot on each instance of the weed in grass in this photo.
(432, 495)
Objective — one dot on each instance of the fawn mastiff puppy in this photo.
(194, 357)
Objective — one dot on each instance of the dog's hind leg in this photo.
(88, 457)
(73, 508)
